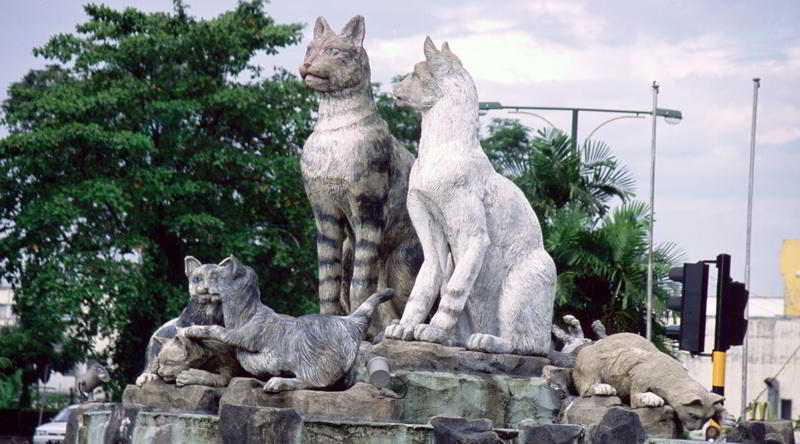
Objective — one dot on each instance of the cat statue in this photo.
(482, 243)
(202, 309)
(186, 362)
(356, 177)
(631, 367)
(315, 350)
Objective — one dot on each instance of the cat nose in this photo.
(304, 69)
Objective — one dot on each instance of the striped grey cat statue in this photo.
(484, 258)
(356, 177)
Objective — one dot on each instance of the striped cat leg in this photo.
(368, 223)
(330, 236)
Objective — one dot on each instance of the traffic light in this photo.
(734, 325)
(691, 333)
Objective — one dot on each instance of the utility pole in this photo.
(756, 85)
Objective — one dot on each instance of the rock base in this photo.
(414, 397)
(656, 421)
(164, 397)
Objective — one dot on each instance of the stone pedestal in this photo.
(656, 421)
(164, 397)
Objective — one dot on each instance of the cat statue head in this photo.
(696, 406)
(178, 354)
(204, 300)
(335, 62)
(440, 75)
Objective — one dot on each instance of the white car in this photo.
(53, 432)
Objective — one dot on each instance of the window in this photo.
(786, 409)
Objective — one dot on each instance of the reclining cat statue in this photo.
(482, 243)
(311, 351)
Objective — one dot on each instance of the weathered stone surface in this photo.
(450, 430)
(559, 378)
(658, 421)
(773, 432)
(240, 424)
(161, 396)
(589, 411)
(175, 428)
(532, 432)
(618, 426)
(404, 355)
(77, 423)
(361, 402)
(414, 397)
(121, 423)
(502, 399)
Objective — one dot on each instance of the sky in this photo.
(585, 54)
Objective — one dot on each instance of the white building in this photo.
(774, 346)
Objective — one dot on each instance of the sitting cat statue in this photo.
(311, 351)
(202, 309)
(187, 362)
(483, 253)
(631, 367)
(356, 177)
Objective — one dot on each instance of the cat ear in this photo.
(354, 30)
(716, 398)
(190, 263)
(320, 27)
(446, 48)
(232, 265)
(159, 340)
(431, 53)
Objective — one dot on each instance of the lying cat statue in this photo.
(202, 309)
(187, 362)
(295, 353)
(629, 366)
(483, 253)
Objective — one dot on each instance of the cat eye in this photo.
(197, 279)
(333, 52)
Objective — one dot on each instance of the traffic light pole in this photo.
(718, 355)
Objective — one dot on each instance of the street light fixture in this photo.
(671, 116)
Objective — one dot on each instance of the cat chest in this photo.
(342, 161)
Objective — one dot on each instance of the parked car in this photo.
(53, 432)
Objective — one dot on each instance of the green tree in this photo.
(150, 137)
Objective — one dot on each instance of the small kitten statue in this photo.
(311, 351)
(629, 366)
(203, 309)
(482, 242)
(187, 362)
(356, 177)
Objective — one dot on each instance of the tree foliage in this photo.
(149, 138)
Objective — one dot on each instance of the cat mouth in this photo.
(315, 81)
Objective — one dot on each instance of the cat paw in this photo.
(145, 378)
(488, 343)
(195, 331)
(429, 333)
(646, 399)
(275, 385)
(404, 332)
(602, 390)
(193, 376)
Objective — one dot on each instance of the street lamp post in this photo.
(671, 116)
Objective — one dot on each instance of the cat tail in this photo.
(364, 311)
